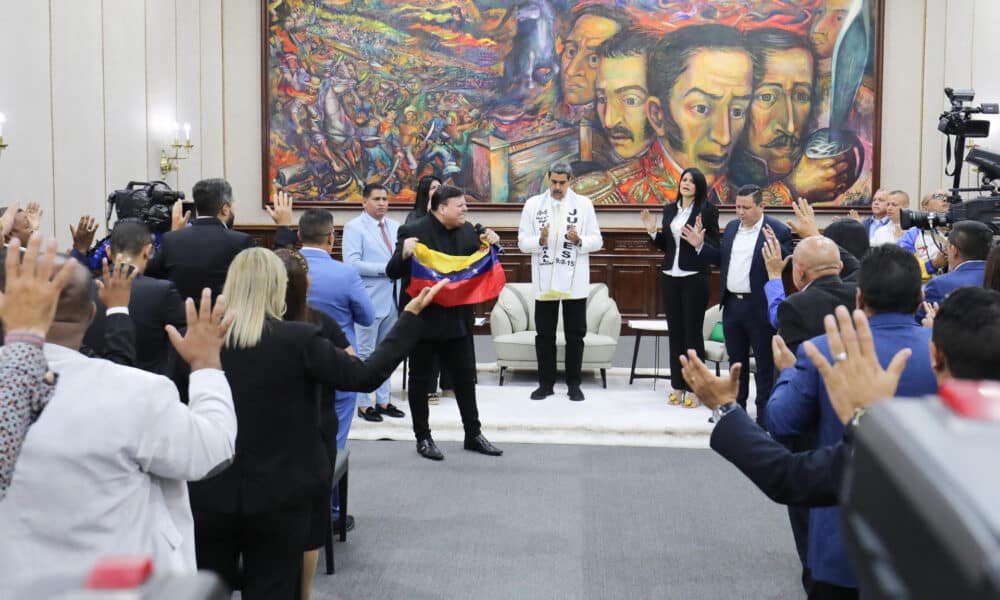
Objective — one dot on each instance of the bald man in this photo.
(816, 269)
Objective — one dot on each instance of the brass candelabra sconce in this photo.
(3, 146)
(177, 151)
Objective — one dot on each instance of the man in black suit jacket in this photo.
(154, 303)
(447, 331)
(745, 321)
(198, 256)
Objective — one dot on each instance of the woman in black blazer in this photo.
(260, 507)
(684, 279)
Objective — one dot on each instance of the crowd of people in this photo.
(142, 421)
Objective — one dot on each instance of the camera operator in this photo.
(969, 243)
(199, 256)
(965, 344)
(83, 236)
(930, 252)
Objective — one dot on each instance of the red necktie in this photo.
(385, 236)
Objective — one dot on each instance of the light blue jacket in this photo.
(365, 250)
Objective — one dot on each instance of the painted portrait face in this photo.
(709, 103)
(826, 25)
(579, 58)
(780, 109)
(620, 96)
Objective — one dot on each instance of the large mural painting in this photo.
(486, 94)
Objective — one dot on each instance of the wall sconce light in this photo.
(178, 151)
(3, 146)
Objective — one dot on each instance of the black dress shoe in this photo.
(370, 414)
(575, 394)
(481, 445)
(541, 393)
(428, 449)
(350, 524)
(390, 411)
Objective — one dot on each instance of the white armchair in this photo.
(512, 325)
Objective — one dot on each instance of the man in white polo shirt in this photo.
(559, 229)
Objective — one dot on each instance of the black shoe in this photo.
(541, 393)
(428, 449)
(370, 414)
(481, 445)
(390, 411)
(336, 524)
(575, 394)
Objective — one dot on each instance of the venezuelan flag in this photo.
(473, 279)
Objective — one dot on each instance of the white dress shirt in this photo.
(103, 471)
(882, 232)
(744, 246)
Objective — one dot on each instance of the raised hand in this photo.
(34, 214)
(280, 208)
(930, 311)
(855, 379)
(783, 357)
(206, 331)
(114, 288)
(571, 235)
(648, 221)
(409, 245)
(7, 219)
(804, 224)
(489, 237)
(694, 235)
(853, 214)
(424, 298)
(711, 390)
(28, 303)
(543, 237)
(178, 216)
(771, 251)
(83, 233)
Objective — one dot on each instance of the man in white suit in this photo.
(103, 470)
(369, 241)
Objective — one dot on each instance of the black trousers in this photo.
(270, 543)
(574, 327)
(685, 300)
(828, 591)
(458, 357)
(744, 328)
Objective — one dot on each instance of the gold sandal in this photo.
(674, 399)
(690, 401)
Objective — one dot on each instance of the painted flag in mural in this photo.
(475, 278)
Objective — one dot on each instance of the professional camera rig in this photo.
(151, 202)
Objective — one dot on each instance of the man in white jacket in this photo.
(103, 471)
(559, 229)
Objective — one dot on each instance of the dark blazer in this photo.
(720, 255)
(800, 316)
(154, 304)
(688, 259)
(280, 456)
(810, 478)
(442, 323)
(198, 256)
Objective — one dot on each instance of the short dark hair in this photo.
(967, 332)
(444, 194)
(972, 239)
(889, 280)
(605, 12)
(765, 41)
(371, 187)
(849, 235)
(753, 191)
(315, 225)
(130, 236)
(210, 195)
(626, 42)
(668, 60)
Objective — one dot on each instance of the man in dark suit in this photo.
(448, 331)
(153, 305)
(741, 283)
(198, 256)
(969, 244)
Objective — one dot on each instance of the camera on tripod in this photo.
(985, 209)
(150, 202)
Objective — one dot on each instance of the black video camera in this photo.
(150, 202)
(986, 210)
(958, 121)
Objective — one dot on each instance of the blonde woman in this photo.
(259, 508)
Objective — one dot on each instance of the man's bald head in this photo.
(814, 257)
(75, 305)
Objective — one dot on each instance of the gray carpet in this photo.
(558, 522)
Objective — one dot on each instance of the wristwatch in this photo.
(727, 408)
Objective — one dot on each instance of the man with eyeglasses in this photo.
(928, 246)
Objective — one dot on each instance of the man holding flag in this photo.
(559, 229)
(437, 246)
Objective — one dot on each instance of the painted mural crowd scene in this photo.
(485, 94)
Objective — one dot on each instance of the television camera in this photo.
(151, 202)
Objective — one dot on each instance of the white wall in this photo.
(92, 86)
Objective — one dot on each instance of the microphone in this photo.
(480, 230)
